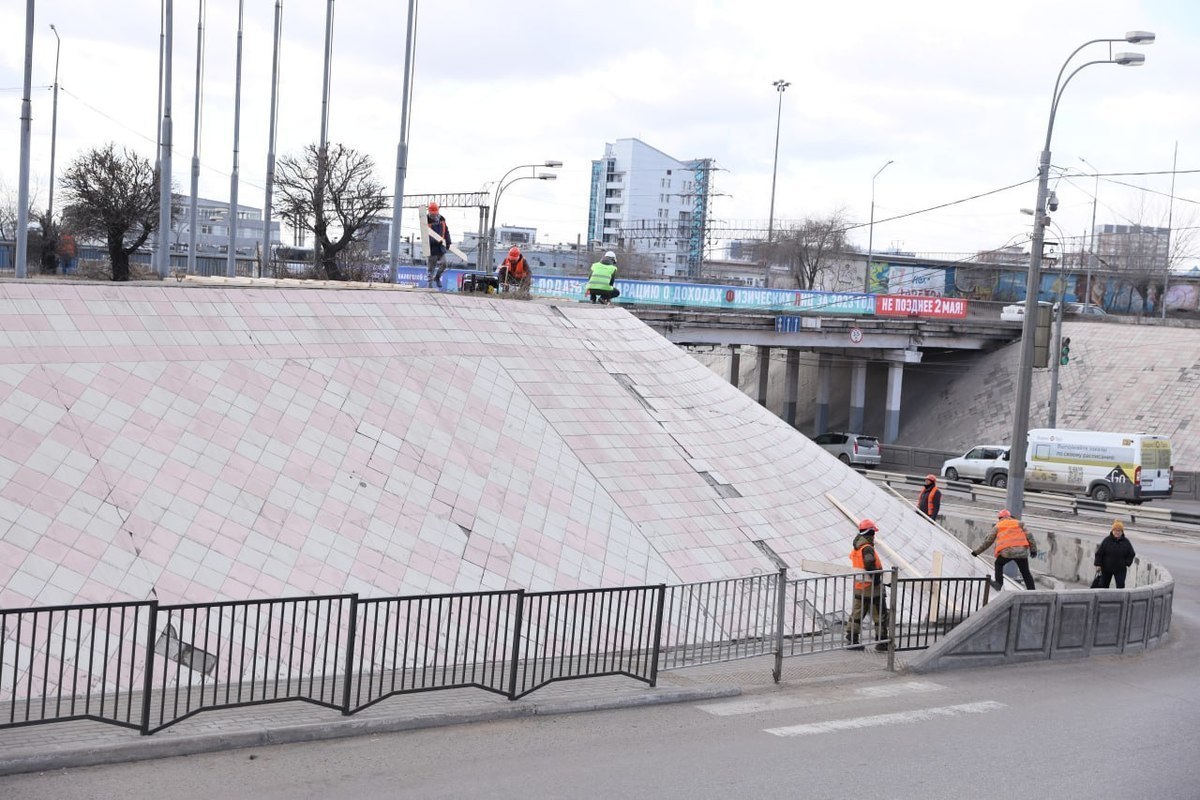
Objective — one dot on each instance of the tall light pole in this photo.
(272, 131)
(195, 187)
(501, 186)
(871, 230)
(164, 175)
(22, 254)
(1092, 245)
(780, 87)
(54, 122)
(402, 146)
(323, 145)
(231, 260)
(1020, 432)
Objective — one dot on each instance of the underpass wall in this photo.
(1043, 624)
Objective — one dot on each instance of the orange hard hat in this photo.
(1004, 514)
(867, 525)
(931, 478)
(514, 252)
(433, 208)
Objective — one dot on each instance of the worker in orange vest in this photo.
(1013, 543)
(929, 502)
(514, 271)
(868, 588)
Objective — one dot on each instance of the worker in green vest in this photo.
(601, 286)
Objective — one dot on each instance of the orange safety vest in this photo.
(518, 268)
(1009, 533)
(927, 498)
(856, 561)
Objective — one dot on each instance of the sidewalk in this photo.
(85, 743)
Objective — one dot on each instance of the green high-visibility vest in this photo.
(602, 276)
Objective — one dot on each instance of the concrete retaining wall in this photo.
(1018, 626)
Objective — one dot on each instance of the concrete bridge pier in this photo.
(824, 386)
(791, 386)
(891, 412)
(858, 394)
(735, 362)
(764, 371)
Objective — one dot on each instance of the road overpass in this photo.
(859, 341)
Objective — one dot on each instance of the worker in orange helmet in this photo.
(438, 245)
(868, 588)
(929, 502)
(1013, 543)
(514, 271)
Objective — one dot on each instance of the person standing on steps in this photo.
(1114, 556)
(868, 589)
(1013, 543)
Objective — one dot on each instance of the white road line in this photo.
(901, 718)
(755, 705)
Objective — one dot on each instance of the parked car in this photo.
(1016, 312)
(985, 463)
(1083, 310)
(852, 448)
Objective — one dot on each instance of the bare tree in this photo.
(113, 196)
(330, 194)
(808, 249)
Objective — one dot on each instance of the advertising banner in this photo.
(890, 305)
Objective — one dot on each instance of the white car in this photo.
(985, 463)
(1016, 312)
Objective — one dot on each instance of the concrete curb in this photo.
(154, 747)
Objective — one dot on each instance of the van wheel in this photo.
(1101, 493)
(845, 459)
(952, 474)
(1000, 480)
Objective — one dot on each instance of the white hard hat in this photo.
(610, 254)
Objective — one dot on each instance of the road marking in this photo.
(901, 718)
(755, 705)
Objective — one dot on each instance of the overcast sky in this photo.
(955, 93)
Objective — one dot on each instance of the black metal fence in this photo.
(147, 666)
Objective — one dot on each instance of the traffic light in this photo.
(1065, 354)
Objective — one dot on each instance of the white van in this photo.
(1105, 466)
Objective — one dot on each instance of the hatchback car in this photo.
(852, 448)
(983, 463)
(1083, 310)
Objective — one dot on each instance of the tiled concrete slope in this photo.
(1122, 377)
(197, 442)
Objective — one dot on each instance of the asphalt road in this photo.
(1115, 726)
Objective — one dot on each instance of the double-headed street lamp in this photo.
(871, 230)
(1016, 465)
(780, 87)
(54, 121)
(501, 186)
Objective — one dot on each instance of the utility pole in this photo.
(231, 259)
(22, 233)
(164, 177)
(402, 146)
(271, 137)
(195, 187)
(1162, 300)
(323, 145)
(54, 124)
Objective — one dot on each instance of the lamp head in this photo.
(551, 163)
(547, 176)
(1139, 37)
(780, 85)
(1129, 59)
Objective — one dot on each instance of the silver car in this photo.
(852, 448)
(986, 463)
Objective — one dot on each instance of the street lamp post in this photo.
(54, 122)
(500, 187)
(780, 87)
(1020, 432)
(871, 230)
(1092, 245)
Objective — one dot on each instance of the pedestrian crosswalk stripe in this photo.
(900, 718)
(755, 705)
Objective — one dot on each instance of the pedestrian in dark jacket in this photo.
(929, 502)
(1114, 556)
(438, 245)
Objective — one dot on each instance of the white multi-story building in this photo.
(646, 202)
(212, 227)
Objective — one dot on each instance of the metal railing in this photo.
(148, 666)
